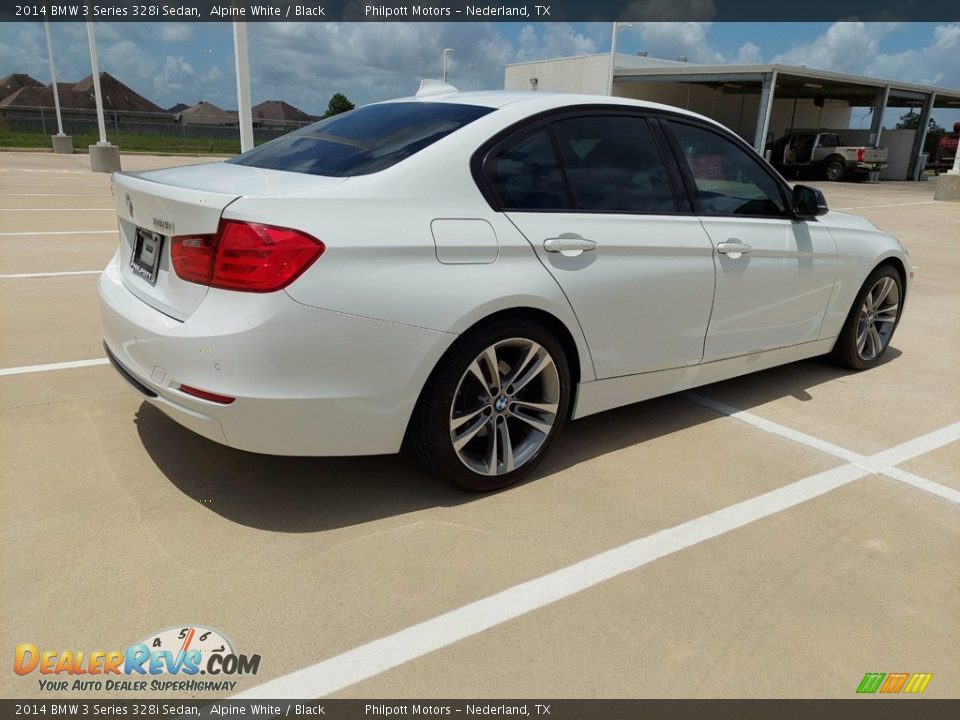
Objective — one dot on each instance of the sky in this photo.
(305, 63)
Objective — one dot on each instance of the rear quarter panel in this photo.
(381, 260)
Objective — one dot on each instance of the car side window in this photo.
(728, 180)
(614, 164)
(829, 141)
(528, 175)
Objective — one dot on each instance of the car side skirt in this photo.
(599, 395)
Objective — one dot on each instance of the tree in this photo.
(911, 121)
(338, 104)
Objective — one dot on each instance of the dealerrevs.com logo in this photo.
(167, 661)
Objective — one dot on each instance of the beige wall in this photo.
(573, 75)
(833, 114)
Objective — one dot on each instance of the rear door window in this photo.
(362, 141)
(528, 175)
(614, 165)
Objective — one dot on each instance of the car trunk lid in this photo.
(154, 207)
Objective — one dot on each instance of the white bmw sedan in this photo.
(462, 273)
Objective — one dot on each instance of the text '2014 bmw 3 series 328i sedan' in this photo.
(462, 273)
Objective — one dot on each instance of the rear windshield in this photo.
(362, 141)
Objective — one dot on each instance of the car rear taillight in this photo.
(192, 257)
(251, 257)
(859, 154)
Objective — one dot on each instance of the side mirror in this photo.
(808, 202)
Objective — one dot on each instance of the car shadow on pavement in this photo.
(297, 494)
(613, 430)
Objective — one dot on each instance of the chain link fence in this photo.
(28, 119)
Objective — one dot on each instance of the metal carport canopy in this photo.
(793, 82)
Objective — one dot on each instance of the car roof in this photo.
(542, 100)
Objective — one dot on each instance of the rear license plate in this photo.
(146, 255)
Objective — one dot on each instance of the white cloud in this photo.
(305, 64)
(673, 39)
(856, 47)
(937, 64)
(126, 61)
(552, 40)
(747, 54)
(844, 47)
(213, 74)
(175, 76)
(175, 33)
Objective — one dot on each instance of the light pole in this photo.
(95, 66)
(613, 52)
(61, 143)
(244, 111)
(104, 157)
(446, 52)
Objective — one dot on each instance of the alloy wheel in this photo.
(505, 406)
(878, 318)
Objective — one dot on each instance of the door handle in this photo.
(569, 245)
(733, 248)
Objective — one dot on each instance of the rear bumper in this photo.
(306, 381)
(868, 166)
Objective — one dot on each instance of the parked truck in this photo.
(823, 154)
(945, 151)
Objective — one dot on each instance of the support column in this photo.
(767, 92)
(915, 169)
(879, 108)
(244, 110)
(61, 143)
(104, 157)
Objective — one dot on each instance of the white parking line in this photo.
(50, 182)
(52, 366)
(882, 463)
(29, 171)
(58, 232)
(55, 209)
(24, 276)
(775, 428)
(391, 651)
(920, 483)
(25, 174)
(55, 195)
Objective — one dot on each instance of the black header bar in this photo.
(465, 11)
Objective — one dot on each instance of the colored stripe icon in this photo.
(918, 683)
(894, 683)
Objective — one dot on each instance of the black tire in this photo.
(847, 350)
(430, 433)
(834, 171)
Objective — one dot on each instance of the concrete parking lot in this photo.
(777, 535)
